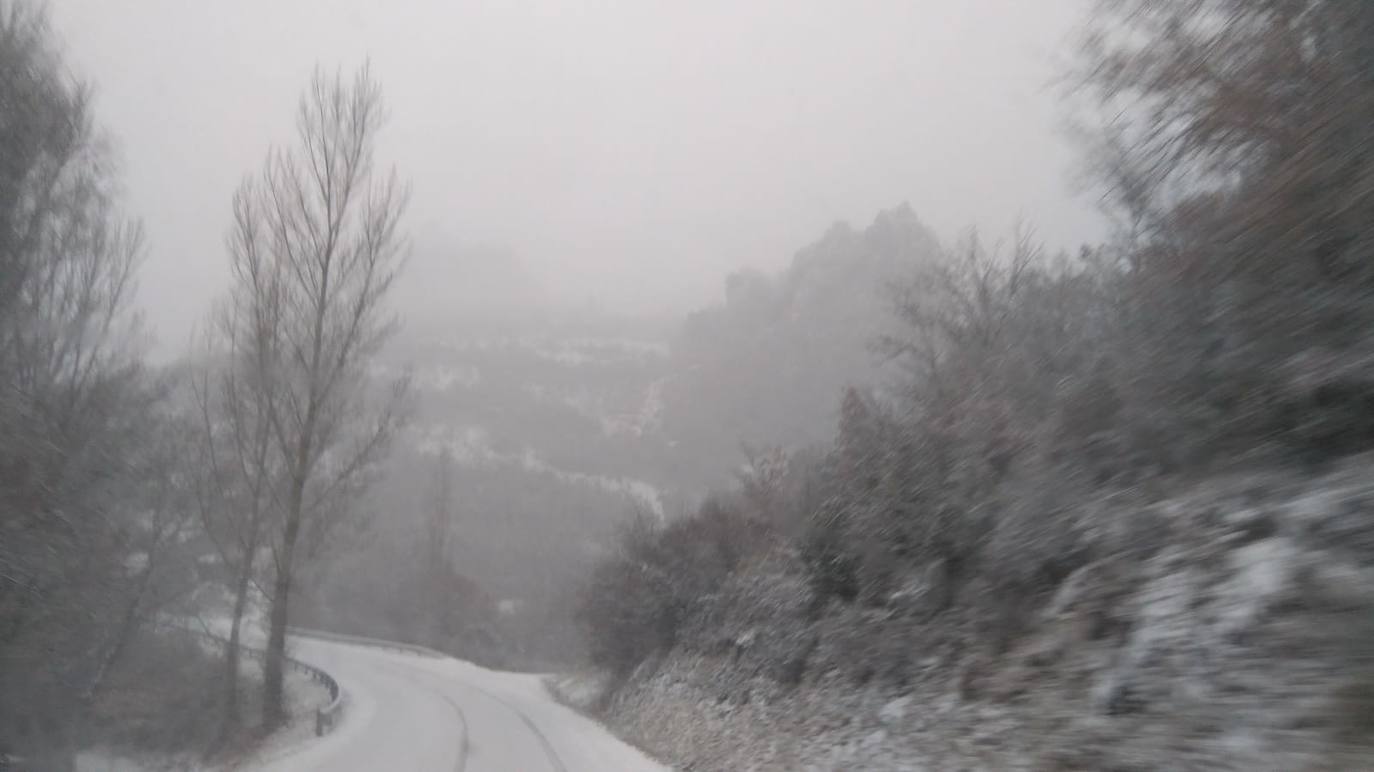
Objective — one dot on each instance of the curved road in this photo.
(409, 711)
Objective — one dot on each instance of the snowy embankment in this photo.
(1231, 631)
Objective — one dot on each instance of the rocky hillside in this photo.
(1119, 514)
(768, 365)
(1231, 627)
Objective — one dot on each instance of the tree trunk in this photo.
(127, 624)
(273, 706)
(231, 658)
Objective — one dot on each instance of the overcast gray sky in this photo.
(633, 152)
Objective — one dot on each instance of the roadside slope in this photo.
(1231, 629)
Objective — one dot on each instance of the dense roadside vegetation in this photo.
(1049, 403)
(94, 494)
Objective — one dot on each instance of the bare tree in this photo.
(238, 474)
(67, 377)
(66, 268)
(955, 314)
(761, 482)
(314, 247)
(156, 532)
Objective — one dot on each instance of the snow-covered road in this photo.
(408, 711)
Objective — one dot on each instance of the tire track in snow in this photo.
(549, 751)
(554, 761)
(410, 677)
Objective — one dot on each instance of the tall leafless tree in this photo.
(68, 374)
(238, 474)
(158, 496)
(314, 247)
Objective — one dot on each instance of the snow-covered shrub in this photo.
(638, 597)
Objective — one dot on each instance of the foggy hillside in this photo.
(559, 427)
(788, 385)
(448, 283)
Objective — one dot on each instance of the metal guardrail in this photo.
(376, 643)
(326, 717)
(425, 651)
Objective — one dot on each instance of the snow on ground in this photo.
(467, 444)
(412, 712)
(638, 490)
(304, 696)
(579, 690)
(104, 760)
(581, 351)
(470, 445)
(445, 377)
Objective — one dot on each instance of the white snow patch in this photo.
(107, 760)
(1262, 570)
(580, 690)
(638, 490)
(648, 418)
(445, 377)
(580, 351)
(470, 446)
(135, 562)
